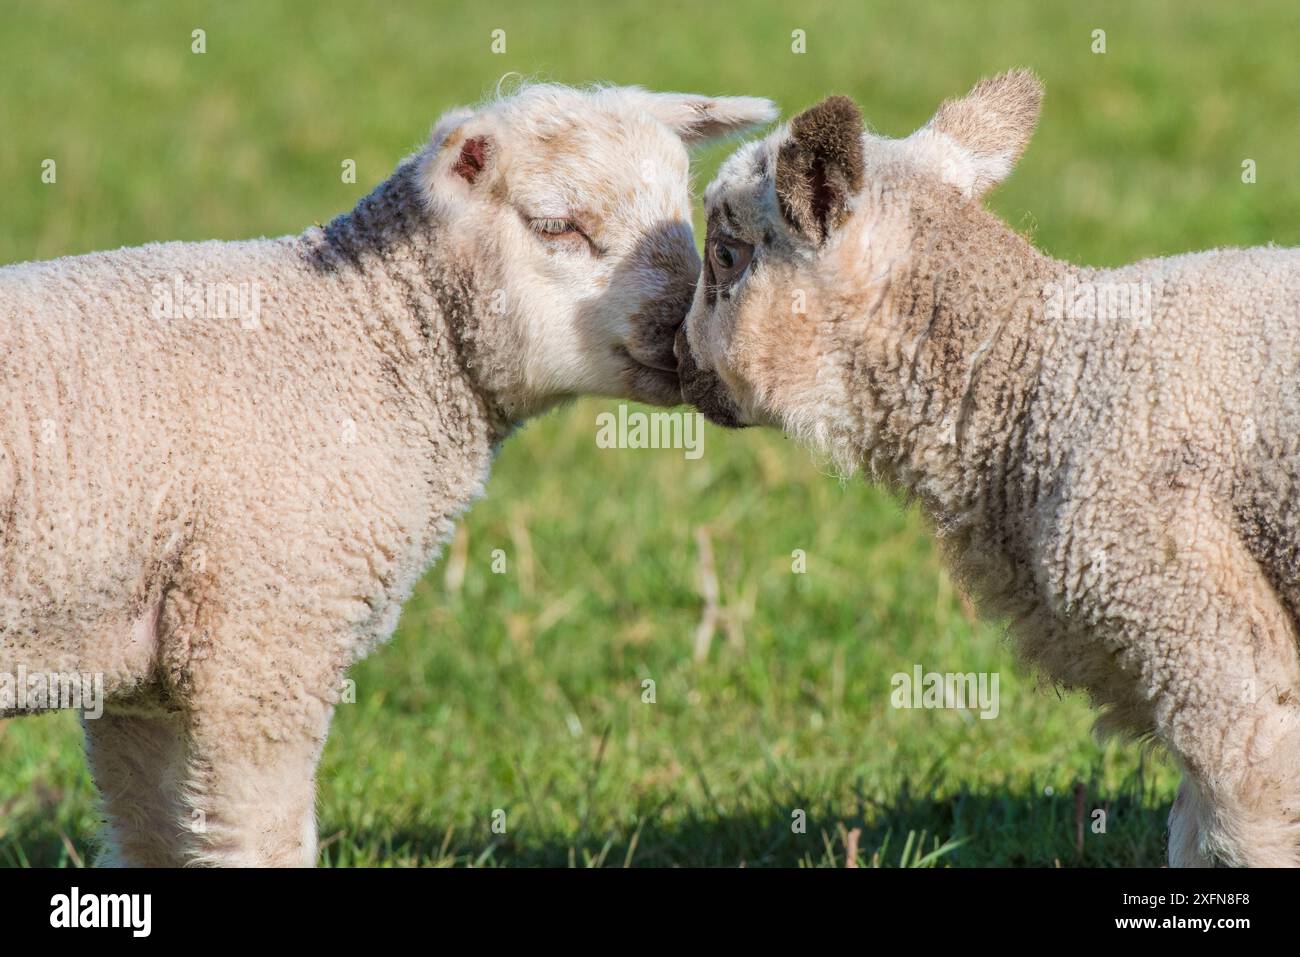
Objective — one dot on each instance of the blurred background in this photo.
(524, 692)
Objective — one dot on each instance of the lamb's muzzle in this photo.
(702, 388)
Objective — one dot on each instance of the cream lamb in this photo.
(223, 466)
(1112, 457)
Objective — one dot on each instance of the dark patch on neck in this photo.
(391, 236)
(390, 218)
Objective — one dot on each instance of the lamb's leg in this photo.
(1243, 771)
(254, 698)
(1233, 718)
(138, 764)
(1214, 655)
(207, 788)
(252, 803)
(257, 710)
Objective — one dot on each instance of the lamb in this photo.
(223, 466)
(1110, 457)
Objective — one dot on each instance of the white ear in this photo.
(462, 155)
(973, 142)
(697, 119)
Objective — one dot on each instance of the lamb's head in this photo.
(807, 228)
(571, 209)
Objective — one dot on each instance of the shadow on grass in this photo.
(1085, 828)
(1088, 827)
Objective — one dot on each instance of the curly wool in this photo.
(1111, 457)
(223, 466)
(342, 422)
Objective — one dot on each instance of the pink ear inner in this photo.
(472, 159)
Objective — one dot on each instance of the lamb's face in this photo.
(574, 206)
(806, 226)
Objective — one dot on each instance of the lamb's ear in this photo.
(698, 119)
(981, 135)
(459, 154)
(819, 167)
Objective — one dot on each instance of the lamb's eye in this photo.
(562, 234)
(553, 226)
(729, 257)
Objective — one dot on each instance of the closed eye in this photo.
(562, 232)
(552, 227)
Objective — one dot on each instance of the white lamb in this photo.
(223, 466)
(1111, 456)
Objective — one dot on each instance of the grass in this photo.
(523, 692)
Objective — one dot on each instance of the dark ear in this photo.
(473, 158)
(820, 166)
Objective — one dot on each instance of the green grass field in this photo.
(523, 692)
